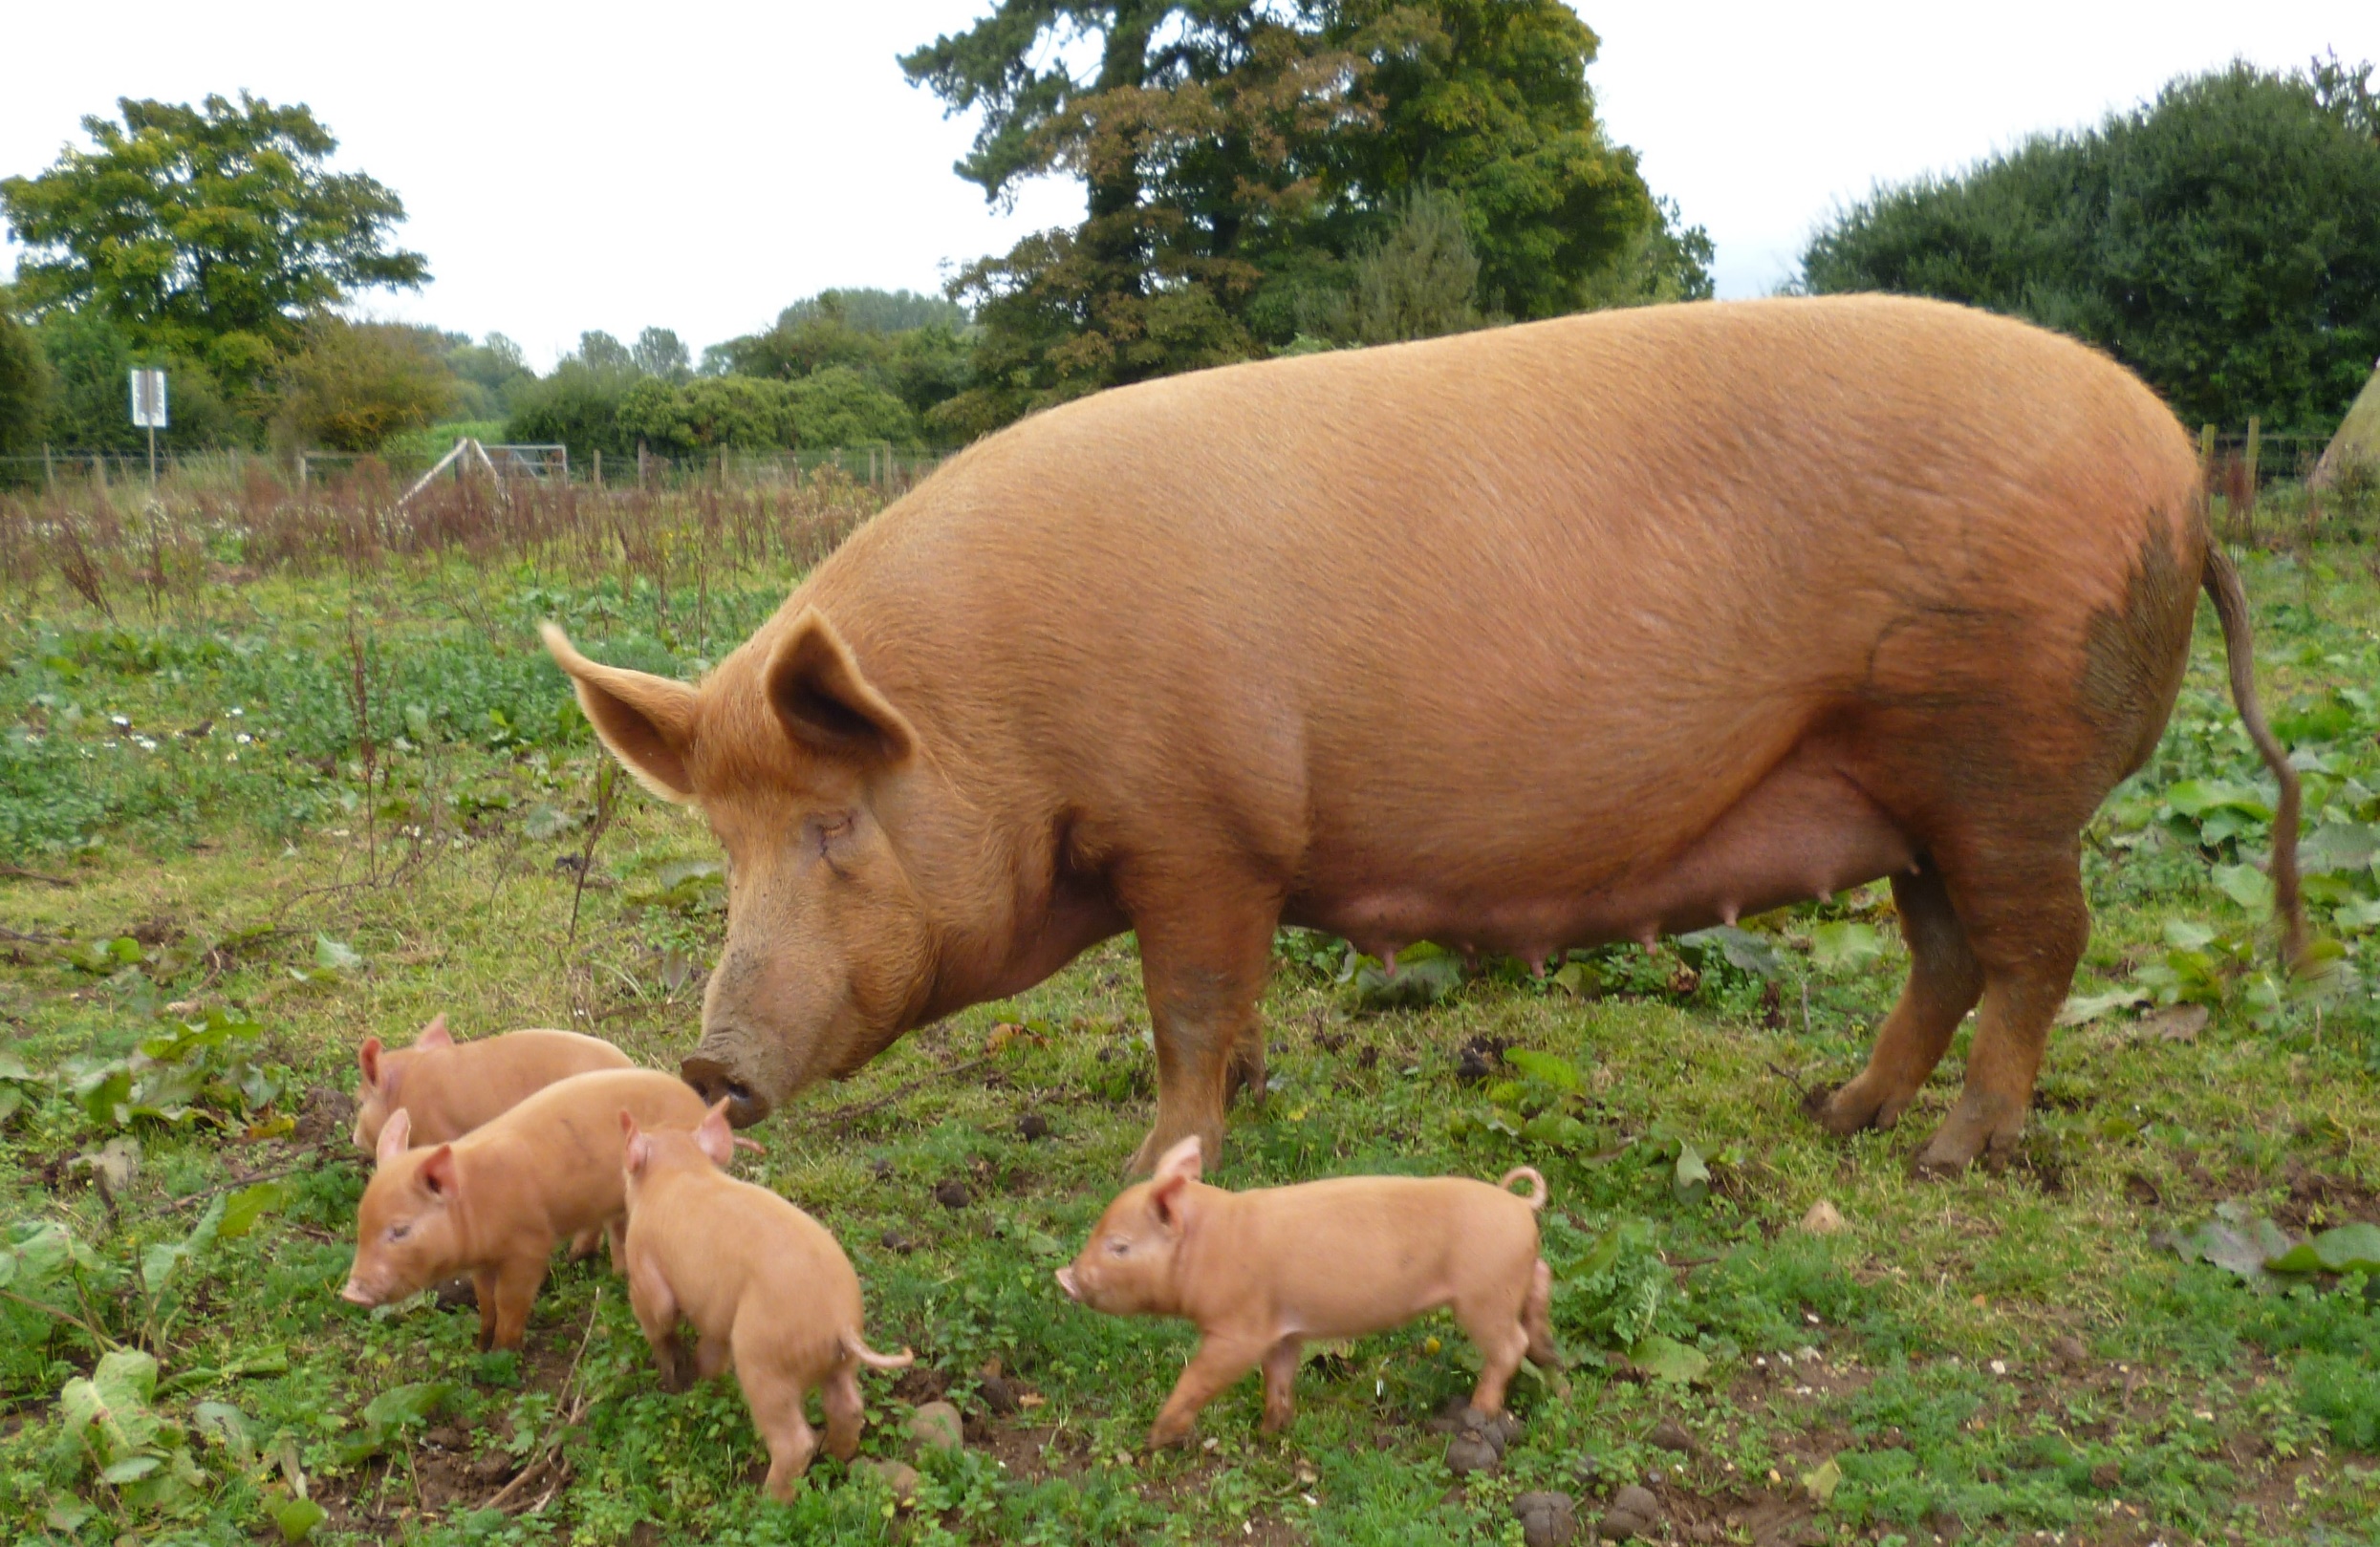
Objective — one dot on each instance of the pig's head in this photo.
(804, 771)
(408, 1228)
(383, 1073)
(1131, 1266)
(646, 1153)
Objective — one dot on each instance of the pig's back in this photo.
(479, 1081)
(1336, 1250)
(734, 1249)
(565, 1140)
(1565, 588)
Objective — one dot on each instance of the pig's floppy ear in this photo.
(1175, 1173)
(713, 1137)
(637, 1148)
(437, 1172)
(646, 720)
(368, 1059)
(436, 1033)
(825, 702)
(396, 1138)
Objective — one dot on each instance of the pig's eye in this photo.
(397, 1233)
(1119, 1247)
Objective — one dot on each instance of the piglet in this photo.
(451, 1088)
(765, 1285)
(1263, 1271)
(495, 1201)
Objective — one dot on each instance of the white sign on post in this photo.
(148, 400)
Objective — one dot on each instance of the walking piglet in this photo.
(1263, 1271)
(451, 1088)
(766, 1286)
(495, 1201)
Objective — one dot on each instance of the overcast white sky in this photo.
(700, 164)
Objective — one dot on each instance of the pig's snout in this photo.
(356, 1293)
(1066, 1282)
(712, 1082)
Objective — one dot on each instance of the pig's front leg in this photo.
(656, 1315)
(1204, 962)
(1280, 1383)
(484, 1291)
(517, 1281)
(1222, 1359)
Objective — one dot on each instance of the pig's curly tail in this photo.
(870, 1357)
(1536, 1198)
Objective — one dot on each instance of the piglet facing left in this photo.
(495, 1202)
(1263, 1271)
(766, 1286)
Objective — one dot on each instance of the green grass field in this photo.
(196, 930)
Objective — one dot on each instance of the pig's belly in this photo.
(1805, 831)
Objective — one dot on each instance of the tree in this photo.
(24, 385)
(914, 347)
(660, 351)
(1419, 281)
(89, 359)
(350, 386)
(600, 351)
(486, 374)
(2223, 241)
(212, 230)
(1237, 157)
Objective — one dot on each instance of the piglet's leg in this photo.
(1496, 1327)
(1537, 1319)
(484, 1291)
(1280, 1383)
(517, 1281)
(1220, 1360)
(841, 1399)
(584, 1243)
(776, 1404)
(656, 1314)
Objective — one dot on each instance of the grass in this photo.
(406, 830)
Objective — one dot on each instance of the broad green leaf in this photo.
(299, 1518)
(402, 1405)
(131, 1469)
(1578, 980)
(335, 956)
(2088, 1008)
(1556, 1131)
(2337, 846)
(2188, 934)
(1547, 1068)
(1666, 1359)
(1690, 1181)
(12, 1067)
(2348, 1249)
(2196, 797)
(1822, 1482)
(2357, 916)
(547, 822)
(1741, 948)
(249, 1204)
(227, 1425)
(2245, 885)
(1844, 946)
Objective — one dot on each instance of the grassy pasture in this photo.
(394, 810)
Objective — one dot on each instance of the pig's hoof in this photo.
(1967, 1137)
(1846, 1109)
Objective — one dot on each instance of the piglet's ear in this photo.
(396, 1136)
(368, 1059)
(437, 1172)
(436, 1033)
(634, 1149)
(1174, 1175)
(713, 1137)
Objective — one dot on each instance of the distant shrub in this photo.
(351, 385)
(23, 387)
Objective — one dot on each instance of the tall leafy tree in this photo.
(212, 230)
(2223, 241)
(23, 384)
(1238, 155)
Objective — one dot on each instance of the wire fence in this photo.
(887, 469)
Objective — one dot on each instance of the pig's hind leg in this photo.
(656, 1314)
(1280, 1383)
(840, 1396)
(1537, 1319)
(1493, 1322)
(775, 1400)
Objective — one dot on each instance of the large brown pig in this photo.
(1261, 1272)
(451, 1088)
(1532, 637)
(495, 1202)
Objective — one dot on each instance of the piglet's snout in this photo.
(1066, 1282)
(356, 1294)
